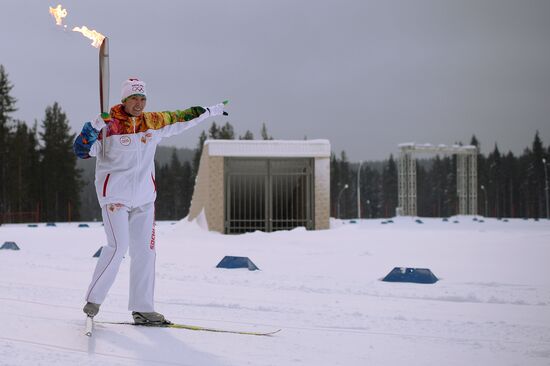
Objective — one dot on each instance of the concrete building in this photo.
(267, 185)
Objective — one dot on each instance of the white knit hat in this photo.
(131, 87)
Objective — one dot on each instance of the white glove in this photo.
(98, 123)
(216, 110)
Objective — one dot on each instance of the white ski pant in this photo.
(127, 228)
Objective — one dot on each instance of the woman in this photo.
(126, 190)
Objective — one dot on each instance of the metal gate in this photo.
(268, 194)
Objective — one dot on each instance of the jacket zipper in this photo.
(138, 157)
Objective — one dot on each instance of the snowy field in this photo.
(323, 289)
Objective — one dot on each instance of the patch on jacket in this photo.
(125, 140)
(146, 137)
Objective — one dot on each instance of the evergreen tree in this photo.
(176, 181)
(481, 175)
(175, 185)
(187, 188)
(163, 195)
(510, 184)
(343, 197)
(524, 207)
(7, 106)
(264, 134)
(424, 190)
(474, 141)
(370, 196)
(226, 132)
(536, 179)
(494, 189)
(60, 177)
(436, 188)
(389, 188)
(451, 199)
(334, 183)
(247, 136)
(23, 165)
(214, 131)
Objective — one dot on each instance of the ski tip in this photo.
(226, 102)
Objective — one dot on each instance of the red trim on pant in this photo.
(110, 260)
(154, 182)
(105, 184)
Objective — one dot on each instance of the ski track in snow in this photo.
(491, 305)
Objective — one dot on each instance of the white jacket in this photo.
(125, 160)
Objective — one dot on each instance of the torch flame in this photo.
(95, 36)
(58, 13)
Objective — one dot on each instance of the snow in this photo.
(322, 288)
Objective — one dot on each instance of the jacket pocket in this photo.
(105, 183)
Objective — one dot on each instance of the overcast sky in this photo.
(367, 75)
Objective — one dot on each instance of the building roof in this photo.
(269, 148)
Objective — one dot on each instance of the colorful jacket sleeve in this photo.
(85, 141)
(172, 123)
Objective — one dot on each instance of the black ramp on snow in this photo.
(96, 255)
(10, 245)
(237, 262)
(415, 275)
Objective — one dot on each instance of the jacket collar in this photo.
(118, 113)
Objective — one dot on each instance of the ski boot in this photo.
(152, 318)
(91, 309)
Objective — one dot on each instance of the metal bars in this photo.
(472, 179)
(461, 184)
(466, 183)
(268, 194)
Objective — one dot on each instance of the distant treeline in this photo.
(508, 185)
(40, 179)
(38, 175)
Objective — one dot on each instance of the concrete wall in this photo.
(322, 193)
(208, 194)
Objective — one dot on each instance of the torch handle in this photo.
(104, 76)
(104, 79)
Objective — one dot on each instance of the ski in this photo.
(196, 328)
(89, 326)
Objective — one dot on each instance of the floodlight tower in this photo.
(466, 176)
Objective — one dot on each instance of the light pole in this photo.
(340, 195)
(546, 186)
(359, 190)
(485, 197)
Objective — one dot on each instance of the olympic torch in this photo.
(104, 86)
(98, 41)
